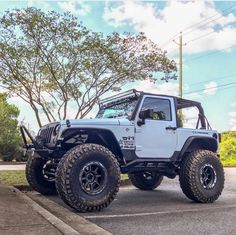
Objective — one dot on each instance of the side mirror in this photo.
(144, 114)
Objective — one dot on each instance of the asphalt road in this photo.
(167, 211)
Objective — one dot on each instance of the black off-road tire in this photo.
(202, 176)
(35, 177)
(69, 182)
(139, 180)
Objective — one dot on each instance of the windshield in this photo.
(121, 109)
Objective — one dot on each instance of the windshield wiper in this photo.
(111, 116)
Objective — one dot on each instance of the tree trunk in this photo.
(36, 114)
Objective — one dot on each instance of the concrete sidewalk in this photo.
(12, 167)
(18, 217)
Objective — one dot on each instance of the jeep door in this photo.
(157, 137)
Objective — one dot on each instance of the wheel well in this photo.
(194, 143)
(94, 136)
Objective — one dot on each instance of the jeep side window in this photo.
(161, 108)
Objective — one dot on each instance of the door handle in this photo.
(171, 128)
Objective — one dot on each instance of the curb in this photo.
(70, 216)
(52, 212)
(52, 219)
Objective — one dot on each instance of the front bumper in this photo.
(25, 133)
(33, 145)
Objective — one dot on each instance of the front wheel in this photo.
(202, 176)
(40, 174)
(145, 180)
(88, 177)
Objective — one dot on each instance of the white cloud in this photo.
(233, 128)
(77, 7)
(43, 5)
(190, 117)
(167, 88)
(232, 114)
(161, 25)
(210, 88)
(233, 104)
(186, 87)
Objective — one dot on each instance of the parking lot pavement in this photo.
(165, 211)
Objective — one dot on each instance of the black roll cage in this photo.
(183, 103)
(179, 104)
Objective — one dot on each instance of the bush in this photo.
(8, 157)
(20, 157)
(10, 138)
(228, 148)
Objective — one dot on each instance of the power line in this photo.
(199, 23)
(211, 88)
(218, 90)
(226, 9)
(199, 37)
(211, 53)
(207, 22)
(214, 79)
(207, 34)
(225, 88)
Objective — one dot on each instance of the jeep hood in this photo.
(97, 121)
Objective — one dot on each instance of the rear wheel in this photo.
(40, 175)
(88, 177)
(202, 176)
(145, 180)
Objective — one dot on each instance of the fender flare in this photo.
(207, 143)
(103, 136)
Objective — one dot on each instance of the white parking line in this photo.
(158, 213)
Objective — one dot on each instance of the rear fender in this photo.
(199, 142)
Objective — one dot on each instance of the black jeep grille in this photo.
(46, 134)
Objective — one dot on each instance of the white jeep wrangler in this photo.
(137, 133)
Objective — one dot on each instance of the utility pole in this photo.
(180, 44)
(180, 66)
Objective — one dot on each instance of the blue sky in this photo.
(209, 59)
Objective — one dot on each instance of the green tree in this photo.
(51, 61)
(228, 148)
(9, 135)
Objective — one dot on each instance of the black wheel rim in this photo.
(208, 176)
(49, 171)
(93, 178)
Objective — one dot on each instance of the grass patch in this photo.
(229, 161)
(18, 177)
(13, 178)
(124, 177)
